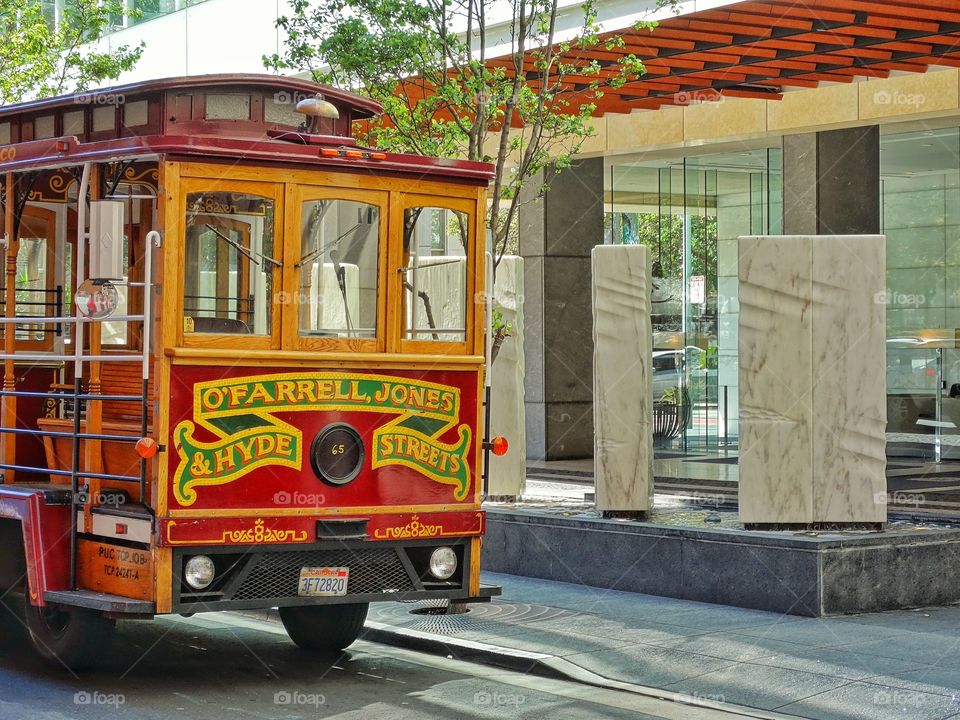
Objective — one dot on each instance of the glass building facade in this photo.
(690, 212)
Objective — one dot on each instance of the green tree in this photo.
(40, 58)
(431, 64)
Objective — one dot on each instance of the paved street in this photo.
(227, 666)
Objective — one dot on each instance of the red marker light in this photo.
(120, 529)
(499, 445)
(147, 447)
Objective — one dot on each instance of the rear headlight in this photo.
(199, 572)
(443, 563)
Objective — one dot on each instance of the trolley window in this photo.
(435, 251)
(36, 293)
(339, 258)
(229, 259)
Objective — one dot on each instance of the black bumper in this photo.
(258, 576)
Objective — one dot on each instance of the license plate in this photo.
(323, 581)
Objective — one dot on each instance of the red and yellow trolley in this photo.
(243, 361)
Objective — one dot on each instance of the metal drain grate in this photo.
(276, 575)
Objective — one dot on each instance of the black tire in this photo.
(324, 629)
(68, 636)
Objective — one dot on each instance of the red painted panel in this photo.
(287, 530)
(412, 457)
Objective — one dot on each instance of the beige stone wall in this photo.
(904, 98)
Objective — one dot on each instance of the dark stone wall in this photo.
(785, 573)
(831, 182)
(557, 234)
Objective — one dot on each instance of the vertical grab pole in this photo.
(8, 416)
(152, 240)
(77, 370)
(488, 369)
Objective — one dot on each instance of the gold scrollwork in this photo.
(413, 529)
(259, 533)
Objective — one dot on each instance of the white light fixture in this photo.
(315, 108)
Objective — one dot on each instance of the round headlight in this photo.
(337, 454)
(199, 572)
(443, 563)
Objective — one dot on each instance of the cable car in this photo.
(244, 362)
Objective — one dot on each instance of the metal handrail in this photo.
(47, 319)
(69, 473)
(64, 434)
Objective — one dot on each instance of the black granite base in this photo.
(819, 574)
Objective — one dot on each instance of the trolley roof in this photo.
(233, 117)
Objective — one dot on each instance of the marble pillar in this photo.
(812, 379)
(622, 389)
(508, 472)
(556, 234)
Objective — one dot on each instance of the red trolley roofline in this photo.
(170, 117)
(362, 107)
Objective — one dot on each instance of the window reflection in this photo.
(340, 242)
(229, 262)
(435, 274)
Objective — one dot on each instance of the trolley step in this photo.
(100, 601)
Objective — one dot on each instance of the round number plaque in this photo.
(337, 454)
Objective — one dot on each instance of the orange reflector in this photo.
(378, 156)
(146, 447)
(121, 528)
(499, 445)
(329, 152)
(353, 154)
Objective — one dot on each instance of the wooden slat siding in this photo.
(124, 378)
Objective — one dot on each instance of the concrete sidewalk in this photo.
(903, 664)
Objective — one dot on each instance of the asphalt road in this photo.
(228, 666)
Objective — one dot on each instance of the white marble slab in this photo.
(622, 389)
(849, 381)
(508, 472)
(812, 379)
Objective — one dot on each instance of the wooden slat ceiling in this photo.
(757, 49)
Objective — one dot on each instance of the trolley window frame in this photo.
(218, 183)
(298, 193)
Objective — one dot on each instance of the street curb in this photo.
(542, 665)
(526, 662)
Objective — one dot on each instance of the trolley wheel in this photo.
(324, 628)
(70, 636)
